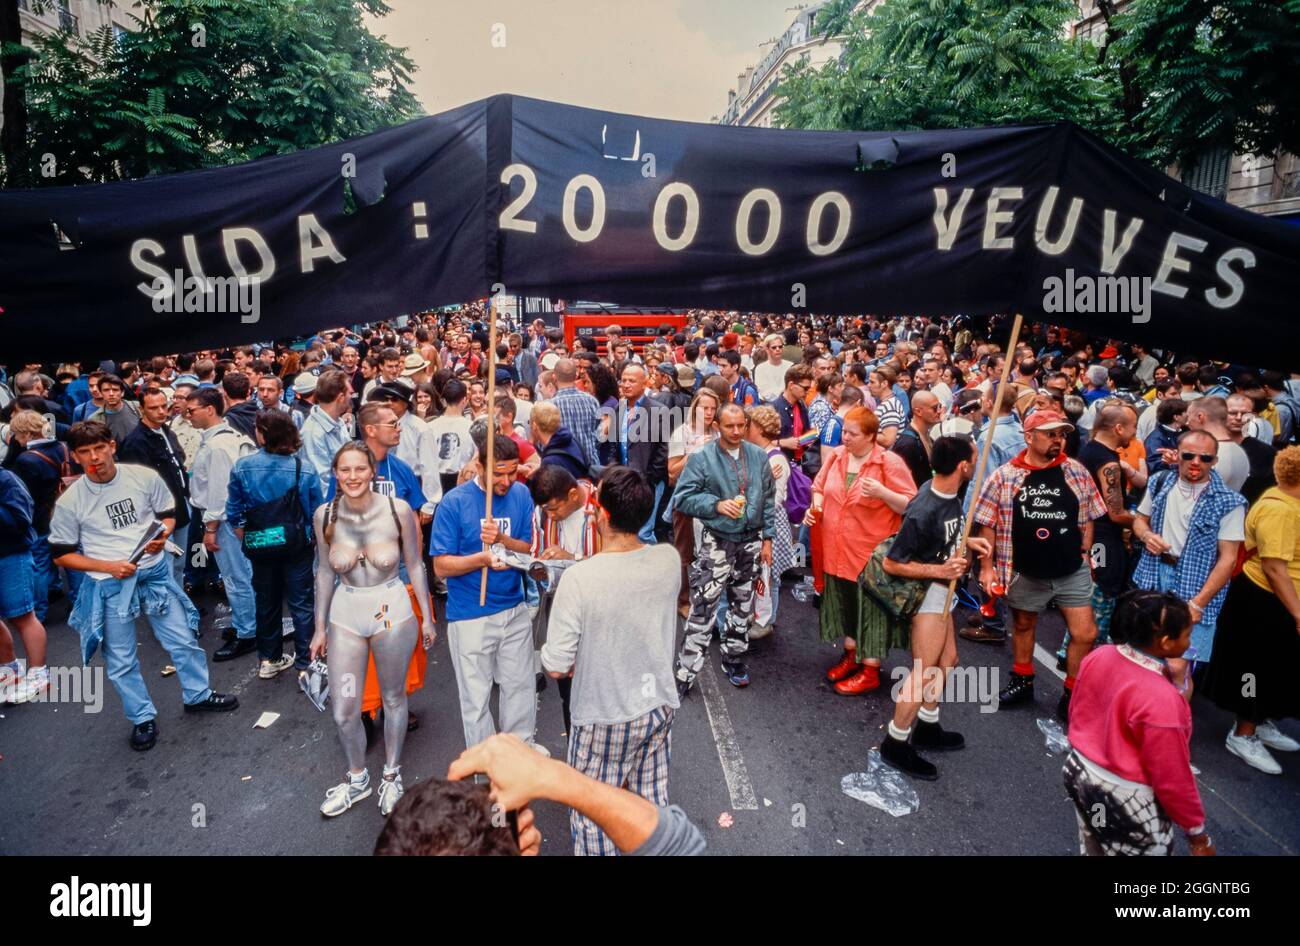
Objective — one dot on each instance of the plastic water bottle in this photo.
(804, 590)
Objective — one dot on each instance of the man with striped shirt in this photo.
(564, 531)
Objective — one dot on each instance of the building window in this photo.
(1209, 174)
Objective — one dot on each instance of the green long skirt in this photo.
(848, 611)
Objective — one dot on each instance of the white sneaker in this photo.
(1274, 738)
(390, 792)
(270, 668)
(1251, 751)
(344, 795)
(18, 690)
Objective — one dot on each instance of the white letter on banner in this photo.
(1236, 288)
(230, 240)
(597, 208)
(660, 219)
(138, 249)
(994, 217)
(1062, 243)
(1170, 262)
(946, 225)
(840, 203)
(308, 250)
(192, 260)
(773, 221)
(1112, 255)
(508, 219)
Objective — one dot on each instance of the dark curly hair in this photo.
(438, 818)
(1143, 616)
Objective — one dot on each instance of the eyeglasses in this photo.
(1204, 457)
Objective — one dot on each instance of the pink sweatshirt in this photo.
(1126, 717)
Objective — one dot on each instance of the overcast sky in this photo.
(664, 58)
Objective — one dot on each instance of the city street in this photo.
(758, 770)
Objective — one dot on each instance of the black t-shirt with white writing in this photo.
(930, 530)
(1045, 535)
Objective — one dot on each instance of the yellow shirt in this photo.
(1273, 529)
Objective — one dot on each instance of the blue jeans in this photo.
(647, 533)
(237, 579)
(42, 576)
(172, 630)
(274, 582)
(1202, 633)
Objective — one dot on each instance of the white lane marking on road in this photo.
(1047, 659)
(724, 736)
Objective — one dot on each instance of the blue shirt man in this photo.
(492, 642)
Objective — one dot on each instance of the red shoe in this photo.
(864, 682)
(847, 667)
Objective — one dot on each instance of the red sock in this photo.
(1069, 683)
(1025, 670)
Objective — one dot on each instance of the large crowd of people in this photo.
(596, 512)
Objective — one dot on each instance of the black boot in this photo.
(934, 737)
(903, 757)
(1019, 690)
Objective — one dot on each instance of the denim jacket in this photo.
(261, 477)
(1201, 550)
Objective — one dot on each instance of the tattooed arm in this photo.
(1112, 494)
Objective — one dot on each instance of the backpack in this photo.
(798, 492)
(1286, 401)
(277, 528)
(66, 477)
(899, 598)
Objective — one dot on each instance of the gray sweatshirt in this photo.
(614, 623)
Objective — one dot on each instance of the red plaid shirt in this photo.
(995, 505)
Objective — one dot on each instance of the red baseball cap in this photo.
(1046, 420)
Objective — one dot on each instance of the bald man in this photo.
(913, 443)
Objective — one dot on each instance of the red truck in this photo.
(639, 325)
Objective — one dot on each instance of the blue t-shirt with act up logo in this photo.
(457, 528)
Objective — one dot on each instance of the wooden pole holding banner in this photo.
(978, 482)
(491, 429)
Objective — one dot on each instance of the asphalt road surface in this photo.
(759, 770)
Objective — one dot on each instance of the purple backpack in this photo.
(798, 492)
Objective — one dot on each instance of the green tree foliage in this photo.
(202, 83)
(915, 64)
(1211, 73)
(1173, 78)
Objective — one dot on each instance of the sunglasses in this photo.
(1203, 457)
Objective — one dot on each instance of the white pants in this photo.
(496, 648)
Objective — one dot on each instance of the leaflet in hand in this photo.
(153, 533)
(539, 570)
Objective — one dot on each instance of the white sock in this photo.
(902, 735)
(361, 779)
(929, 715)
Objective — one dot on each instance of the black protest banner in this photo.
(543, 199)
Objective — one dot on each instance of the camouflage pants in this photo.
(720, 564)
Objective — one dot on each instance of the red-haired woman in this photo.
(859, 495)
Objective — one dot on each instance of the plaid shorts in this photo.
(632, 755)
